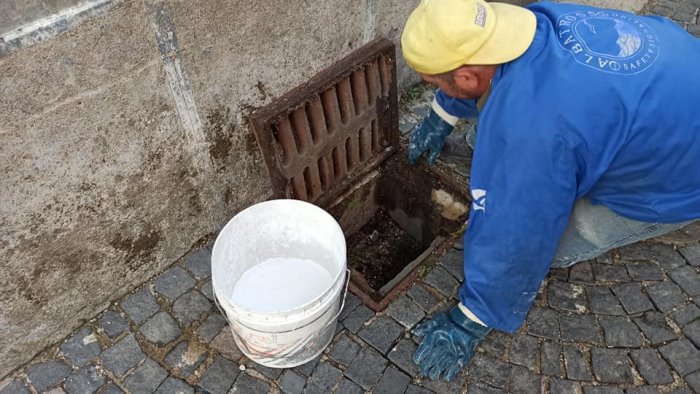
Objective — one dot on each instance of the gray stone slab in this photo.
(184, 358)
(692, 254)
(344, 350)
(543, 322)
(81, 347)
(348, 387)
(307, 368)
(602, 390)
(354, 321)
(559, 273)
(665, 295)
(146, 377)
(382, 333)
(667, 257)
(686, 314)
(15, 387)
(199, 263)
(567, 296)
(174, 386)
(246, 384)
(367, 368)
(561, 386)
(602, 301)
(693, 381)
(111, 388)
(644, 271)
(413, 389)
(523, 381)
(453, 262)
(160, 329)
(443, 387)
(405, 311)
(85, 380)
(207, 290)
(173, 283)
(655, 327)
(643, 390)
(122, 356)
(580, 328)
(292, 382)
(210, 327)
(219, 377)
(402, 356)
(224, 343)
(692, 332)
(392, 381)
(651, 366)
(351, 302)
(190, 307)
(140, 305)
(581, 273)
(639, 251)
(632, 298)
(687, 279)
(577, 367)
(424, 298)
(442, 281)
(323, 379)
(489, 370)
(550, 363)
(272, 373)
(610, 273)
(682, 355)
(48, 373)
(620, 332)
(524, 351)
(481, 388)
(113, 324)
(495, 343)
(611, 366)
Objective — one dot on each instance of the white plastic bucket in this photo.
(280, 229)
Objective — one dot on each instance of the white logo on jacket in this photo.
(479, 200)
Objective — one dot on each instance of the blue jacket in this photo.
(604, 104)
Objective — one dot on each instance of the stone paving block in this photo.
(524, 381)
(543, 322)
(85, 380)
(348, 387)
(687, 279)
(611, 366)
(550, 363)
(581, 272)
(602, 390)
(580, 328)
(693, 381)
(185, 358)
(113, 324)
(489, 370)
(602, 301)
(643, 390)
(442, 387)
(382, 333)
(567, 296)
(683, 390)
(665, 295)
(405, 311)
(561, 386)
(424, 298)
(559, 273)
(199, 263)
(173, 283)
(632, 298)
(272, 373)
(190, 306)
(307, 368)
(392, 381)
(441, 280)
(351, 302)
(577, 368)
(323, 378)
(81, 347)
(354, 321)
(620, 332)
(402, 356)
(146, 377)
(122, 356)
(160, 329)
(686, 314)
(655, 327)
(682, 355)
(692, 332)
(246, 384)
(292, 382)
(207, 290)
(219, 377)
(413, 389)
(638, 251)
(653, 368)
(453, 262)
(524, 351)
(344, 350)
(495, 344)
(140, 305)
(111, 388)
(226, 345)
(15, 387)
(46, 374)
(367, 368)
(666, 256)
(174, 386)
(644, 270)
(692, 254)
(210, 327)
(480, 388)
(610, 273)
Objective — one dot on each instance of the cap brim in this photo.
(513, 33)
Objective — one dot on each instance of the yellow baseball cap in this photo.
(442, 35)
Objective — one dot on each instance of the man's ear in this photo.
(466, 78)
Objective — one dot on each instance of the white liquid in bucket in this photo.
(280, 284)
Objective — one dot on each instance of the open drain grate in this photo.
(321, 137)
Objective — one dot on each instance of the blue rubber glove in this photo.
(429, 135)
(449, 343)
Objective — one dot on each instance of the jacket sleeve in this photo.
(451, 109)
(523, 186)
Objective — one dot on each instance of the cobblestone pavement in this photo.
(627, 322)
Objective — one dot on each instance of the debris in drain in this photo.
(450, 208)
(381, 249)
